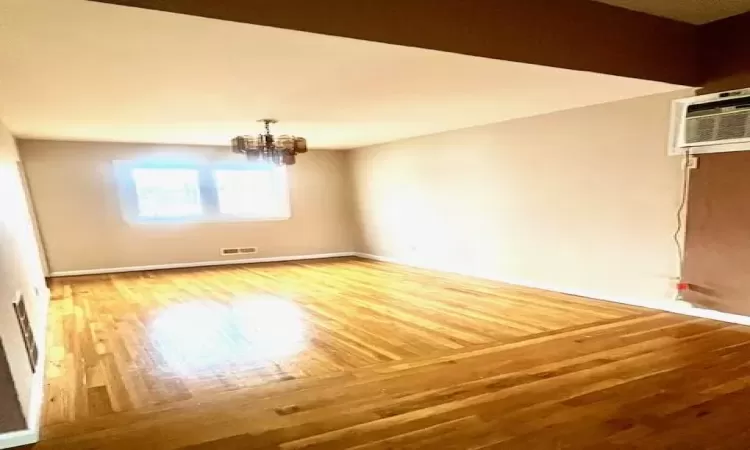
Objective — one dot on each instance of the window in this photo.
(173, 192)
(250, 193)
(167, 193)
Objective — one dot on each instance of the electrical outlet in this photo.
(692, 162)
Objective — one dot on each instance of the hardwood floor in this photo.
(357, 354)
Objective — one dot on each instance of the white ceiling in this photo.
(77, 70)
(691, 11)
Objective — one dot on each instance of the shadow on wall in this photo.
(11, 417)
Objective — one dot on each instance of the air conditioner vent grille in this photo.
(718, 127)
(701, 129)
(733, 126)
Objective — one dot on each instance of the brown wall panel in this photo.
(717, 261)
(574, 34)
(728, 83)
(724, 53)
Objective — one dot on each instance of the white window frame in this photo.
(128, 196)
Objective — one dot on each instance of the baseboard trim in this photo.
(18, 438)
(31, 434)
(677, 307)
(72, 273)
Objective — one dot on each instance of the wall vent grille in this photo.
(238, 251)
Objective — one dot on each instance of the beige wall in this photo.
(581, 201)
(20, 267)
(77, 207)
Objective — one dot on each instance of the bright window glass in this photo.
(167, 193)
(251, 193)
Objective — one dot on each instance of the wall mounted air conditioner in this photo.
(711, 123)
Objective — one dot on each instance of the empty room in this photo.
(334, 224)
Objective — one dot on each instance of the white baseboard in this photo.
(672, 306)
(18, 438)
(72, 273)
(36, 400)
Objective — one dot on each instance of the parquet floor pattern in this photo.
(350, 353)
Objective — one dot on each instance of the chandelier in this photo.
(269, 149)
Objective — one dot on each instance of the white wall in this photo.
(581, 201)
(20, 269)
